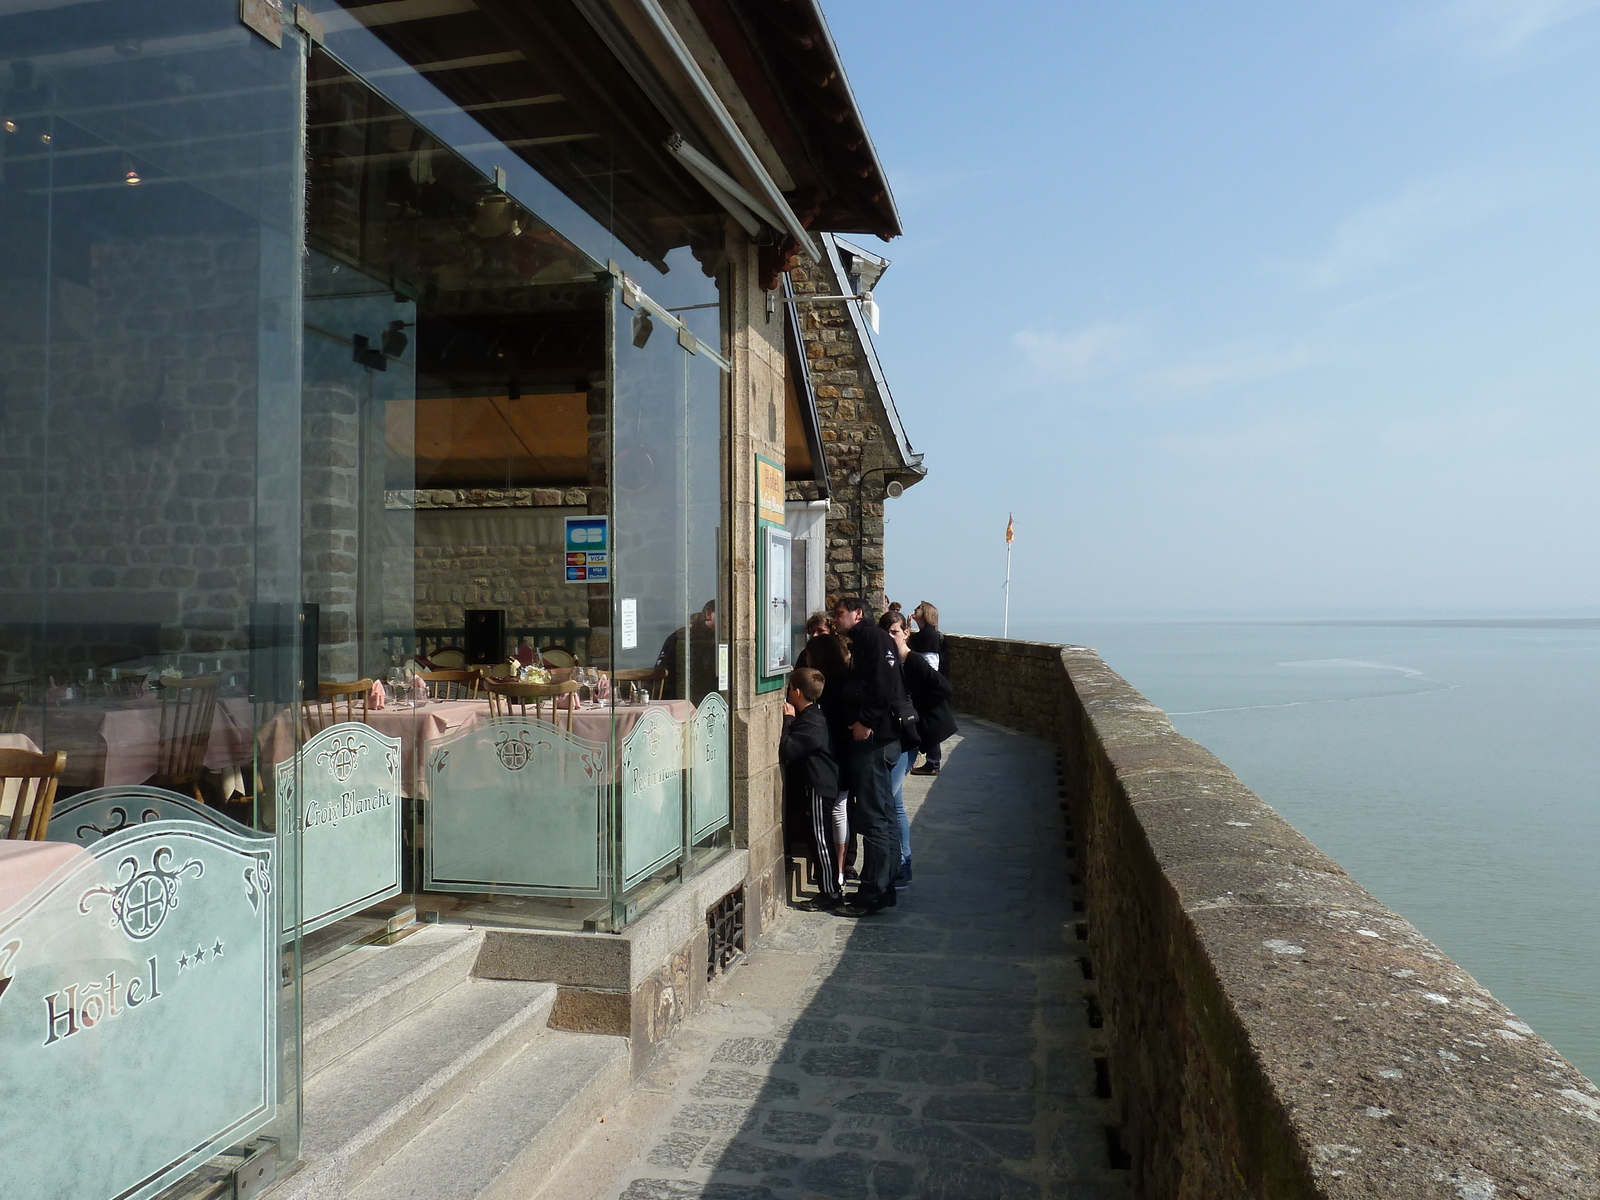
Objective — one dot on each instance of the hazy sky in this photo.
(1241, 307)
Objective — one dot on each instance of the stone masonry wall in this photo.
(152, 447)
(1275, 1031)
(526, 579)
(856, 439)
(757, 717)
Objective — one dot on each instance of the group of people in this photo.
(865, 697)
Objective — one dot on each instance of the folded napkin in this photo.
(379, 699)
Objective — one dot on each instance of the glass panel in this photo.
(344, 802)
(708, 768)
(360, 373)
(143, 974)
(669, 493)
(519, 806)
(652, 795)
(443, 179)
(456, 395)
(151, 186)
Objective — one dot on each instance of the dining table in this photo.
(25, 865)
(116, 740)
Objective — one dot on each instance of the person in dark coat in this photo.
(939, 723)
(701, 634)
(874, 692)
(898, 627)
(811, 780)
(829, 653)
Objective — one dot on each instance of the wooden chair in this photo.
(655, 679)
(507, 699)
(35, 777)
(188, 707)
(452, 685)
(558, 656)
(338, 702)
(10, 711)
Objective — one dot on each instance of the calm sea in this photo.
(1455, 772)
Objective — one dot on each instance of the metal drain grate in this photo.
(725, 933)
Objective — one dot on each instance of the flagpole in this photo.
(1006, 628)
(1006, 633)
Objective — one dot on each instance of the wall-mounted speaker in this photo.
(486, 636)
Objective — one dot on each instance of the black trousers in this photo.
(870, 761)
(819, 836)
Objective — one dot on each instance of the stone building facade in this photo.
(863, 442)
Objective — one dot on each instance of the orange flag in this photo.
(1010, 533)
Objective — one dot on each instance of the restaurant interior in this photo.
(299, 418)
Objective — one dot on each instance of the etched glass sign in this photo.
(708, 768)
(516, 806)
(138, 1000)
(348, 813)
(652, 795)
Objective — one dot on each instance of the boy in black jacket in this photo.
(811, 778)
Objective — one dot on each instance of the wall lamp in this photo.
(894, 489)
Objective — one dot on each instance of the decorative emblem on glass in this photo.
(140, 902)
(341, 756)
(515, 749)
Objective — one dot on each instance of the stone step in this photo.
(365, 1106)
(357, 997)
(502, 1141)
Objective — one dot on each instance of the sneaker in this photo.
(905, 876)
(851, 875)
(926, 769)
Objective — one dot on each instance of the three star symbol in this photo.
(199, 955)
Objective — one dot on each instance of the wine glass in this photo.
(399, 687)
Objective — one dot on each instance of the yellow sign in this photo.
(769, 490)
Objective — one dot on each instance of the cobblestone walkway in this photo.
(939, 1051)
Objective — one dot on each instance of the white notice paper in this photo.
(630, 623)
(722, 666)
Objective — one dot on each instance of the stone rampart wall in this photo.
(1274, 1030)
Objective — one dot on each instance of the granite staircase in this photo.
(422, 1080)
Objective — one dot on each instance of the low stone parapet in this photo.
(1274, 1030)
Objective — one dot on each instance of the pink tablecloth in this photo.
(25, 865)
(118, 741)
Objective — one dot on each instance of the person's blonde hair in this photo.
(927, 614)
